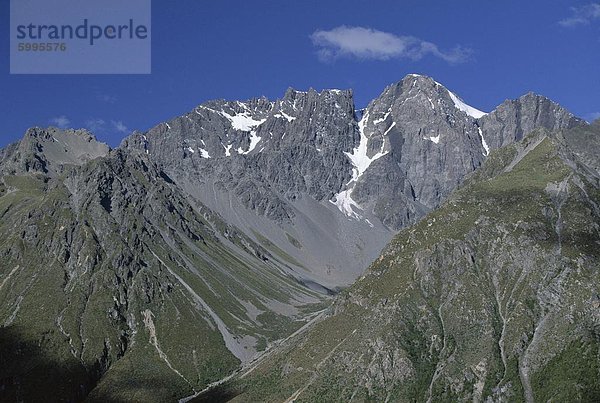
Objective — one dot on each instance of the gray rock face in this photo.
(428, 147)
(49, 150)
(424, 141)
(311, 158)
(261, 150)
(270, 168)
(513, 119)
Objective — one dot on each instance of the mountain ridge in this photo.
(493, 296)
(236, 221)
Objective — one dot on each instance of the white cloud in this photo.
(366, 43)
(101, 126)
(590, 117)
(96, 125)
(109, 99)
(583, 15)
(61, 122)
(119, 126)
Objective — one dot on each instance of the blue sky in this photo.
(484, 51)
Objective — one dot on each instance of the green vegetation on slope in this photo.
(469, 303)
(111, 274)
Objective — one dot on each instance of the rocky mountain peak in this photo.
(513, 119)
(417, 141)
(49, 150)
(422, 96)
(47, 133)
(420, 80)
(396, 159)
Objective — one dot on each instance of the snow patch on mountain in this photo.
(227, 149)
(346, 204)
(377, 121)
(389, 128)
(359, 157)
(469, 110)
(285, 116)
(242, 121)
(484, 143)
(361, 162)
(145, 139)
(254, 140)
(435, 139)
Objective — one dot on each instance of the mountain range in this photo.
(224, 247)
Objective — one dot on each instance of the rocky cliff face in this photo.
(399, 157)
(422, 140)
(47, 151)
(261, 150)
(513, 119)
(283, 168)
(427, 146)
(492, 297)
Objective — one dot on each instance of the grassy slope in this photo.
(88, 272)
(427, 319)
